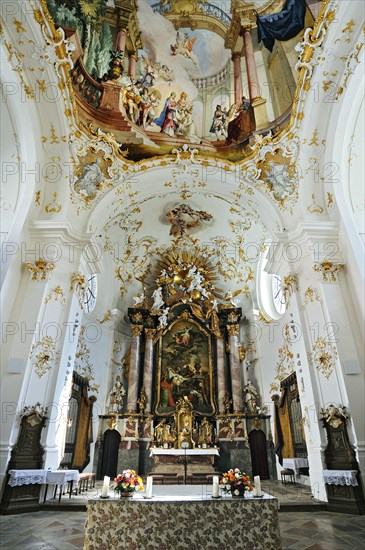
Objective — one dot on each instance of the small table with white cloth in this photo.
(59, 478)
(295, 464)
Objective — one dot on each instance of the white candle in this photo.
(257, 486)
(149, 485)
(215, 486)
(105, 488)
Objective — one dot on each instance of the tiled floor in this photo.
(54, 529)
(299, 531)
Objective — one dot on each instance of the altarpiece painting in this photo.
(185, 369)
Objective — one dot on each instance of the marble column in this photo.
(121, 40)
(148, 367)
(237, 77)
(258, 102)
(235, 365)
(132, 66)
(221, 374)
(134, 368)
(252, 77)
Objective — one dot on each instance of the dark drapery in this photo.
(111, 440)
(279, 439)
(283, 25)
(257, 440)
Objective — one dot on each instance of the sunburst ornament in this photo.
(187, 274)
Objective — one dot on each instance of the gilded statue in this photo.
(142, 401)
(206, 431)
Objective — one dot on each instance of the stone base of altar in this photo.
(170, 464)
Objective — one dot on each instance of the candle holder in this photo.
(104, 497)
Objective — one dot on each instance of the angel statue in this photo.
(158, 300)
(139, 299)
(231, 297)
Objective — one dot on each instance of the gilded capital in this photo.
(40, 269)
(233, 330)
(328, 271)
(150, 333)
(136, 330)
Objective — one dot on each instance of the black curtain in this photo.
(109, 464)
(257, 440)
(283, 25)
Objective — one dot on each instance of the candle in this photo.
(257, 486)
(105, 488)
(215, 486)
(149, 487)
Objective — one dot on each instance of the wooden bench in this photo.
(287, 472)
(87, 481)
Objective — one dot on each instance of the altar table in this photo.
(182, 452)
(179, 520)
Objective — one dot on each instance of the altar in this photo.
(182, 517)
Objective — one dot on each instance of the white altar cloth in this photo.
(181, 452)
(340, 477)
(40, 477)
(27, 477)
(295, 463)
(60, 477)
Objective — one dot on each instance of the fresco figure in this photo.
(167, 119)
(243, 125)
(218, 124)
(183, 46)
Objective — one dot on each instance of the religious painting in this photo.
(161, 74)
(185, 369)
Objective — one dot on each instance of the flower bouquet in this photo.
(128, 483)
(236, 482)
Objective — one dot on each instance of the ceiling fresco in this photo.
(163, 74)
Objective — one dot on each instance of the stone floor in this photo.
(55, 530)
(304, 523)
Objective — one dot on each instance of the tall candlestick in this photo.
(105, 488)
(149, 485)
(215, 486)
(257, 481)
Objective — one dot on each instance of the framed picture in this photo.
(185, 368)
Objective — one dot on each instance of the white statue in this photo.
(158, 300)
(251, 397)
(197, 279)
(230, 297)
(116, 396)
(139, 299)
(163, 317)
